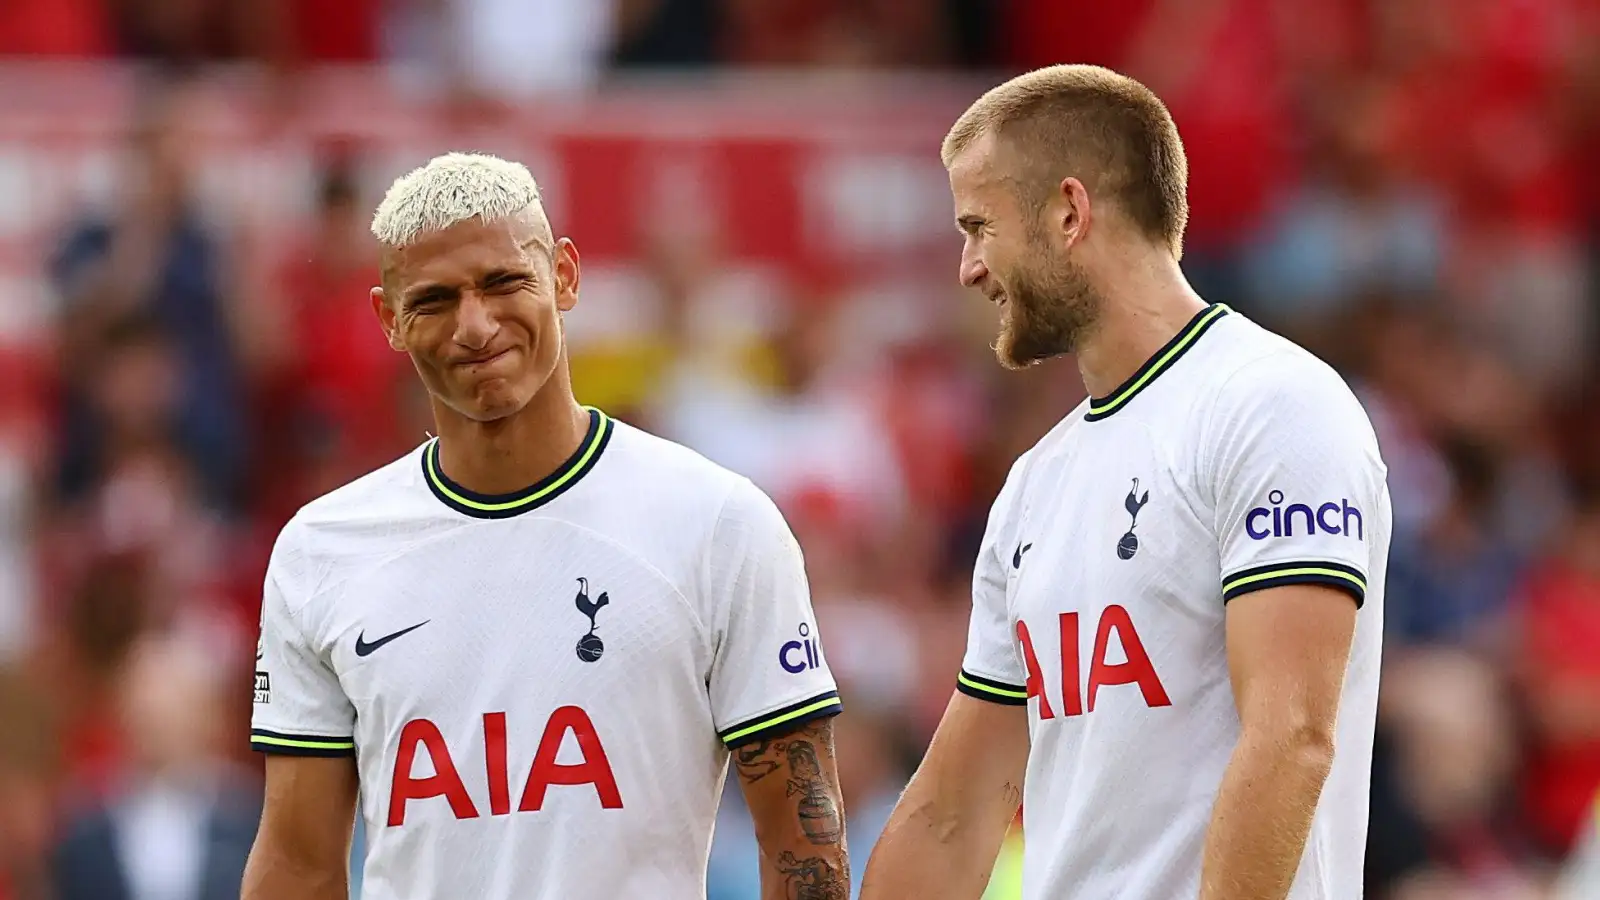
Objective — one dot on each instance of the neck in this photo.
(506, 455)
(1143, 307)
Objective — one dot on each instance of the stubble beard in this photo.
(1048, 313)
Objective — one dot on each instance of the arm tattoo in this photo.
(813, 878)
(805, 762)
(819, 814)
(756, 761)
(797, 752)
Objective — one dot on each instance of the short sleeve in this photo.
(992, 669)
(300, 708)
(1301, 494)
(768, 671)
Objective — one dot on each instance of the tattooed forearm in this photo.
(757, 760)
(813, 878)
(819, 813)
(799, 814)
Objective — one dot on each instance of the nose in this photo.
(476, 324)
(972, 269)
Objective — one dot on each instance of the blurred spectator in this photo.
(155, 259)
(1442, 811)
(812, 439)
(1450, 579)
(180, 822)
(30, 761)
(1558, 668)
(1353, 227)
(320, 422)
(145, 502)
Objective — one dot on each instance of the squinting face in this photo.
(1046, 301)
(477, 307)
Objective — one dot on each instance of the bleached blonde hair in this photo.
(450, 189)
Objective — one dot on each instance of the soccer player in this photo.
(533, 642)
(1172, 660)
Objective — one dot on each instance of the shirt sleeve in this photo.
(992, 667)
(300, 708)
(1301, 493)
(768, 671)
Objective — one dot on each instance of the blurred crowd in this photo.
(1405, 186)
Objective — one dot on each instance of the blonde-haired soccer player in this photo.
(1172, 662)
(532, 643)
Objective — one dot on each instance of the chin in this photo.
(491, 401)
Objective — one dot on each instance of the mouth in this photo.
(481, 361)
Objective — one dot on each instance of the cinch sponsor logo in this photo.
(802, 655)
(1280, 521)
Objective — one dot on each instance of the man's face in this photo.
(1011, 255)
(477, 306)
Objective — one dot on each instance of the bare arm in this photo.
(791, 784)
(1287, 652)
(942, 840)
(302, 848)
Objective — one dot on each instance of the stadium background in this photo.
(1407, 186)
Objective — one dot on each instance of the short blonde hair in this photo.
(451, 189)
(1108, 130)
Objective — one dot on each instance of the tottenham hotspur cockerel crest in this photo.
(590, 646)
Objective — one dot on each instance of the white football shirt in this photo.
(540, 690)
(1232, 461)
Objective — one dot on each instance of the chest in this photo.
(494, 618)
(1116, 517)
(1114, 568)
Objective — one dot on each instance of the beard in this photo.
(1048, 311)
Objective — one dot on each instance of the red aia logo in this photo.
(595, 769)
(1137, 670)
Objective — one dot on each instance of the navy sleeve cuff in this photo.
(281, 744)
(1337, 575)
(782, 721)
(991, 690)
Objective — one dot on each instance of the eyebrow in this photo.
(501, 276)
(429, 292)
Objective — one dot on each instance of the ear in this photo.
(567, 274)
(1076, 214)
(387, 320)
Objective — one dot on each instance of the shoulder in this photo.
(342, 522)
(371, 495)
(1053, 445)
(701, 523)
(1264, 375)
(675, 482)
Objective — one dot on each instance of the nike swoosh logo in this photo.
(365, 649)
(1016, 558)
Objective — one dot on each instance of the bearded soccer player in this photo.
(533, 642)
(1172, 660)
